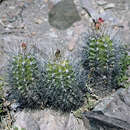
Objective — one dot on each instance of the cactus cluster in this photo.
(105, 61)
(1, 103)
(36, 82)
(2, 107)
(35, 85)
(24, 73)
(63, 92)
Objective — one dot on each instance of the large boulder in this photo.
(112, 112)
(47, 120)
(63, 15)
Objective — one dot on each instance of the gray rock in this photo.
(109, 16)
(55, 1)
(112, 112)
(101, 2)
(25, 120)
(109, 6)
(105, 101)
(47, 120)
(63, 15)
(98, 121)
(118, 107)
(90, 7)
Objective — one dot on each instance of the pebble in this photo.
(53, 34)
(116, 27)
(83, 12)
(90, 20)
(86, 16)
(4, 19)
(45, 1)
(101, 2)
(33, 33)
(89, 6)
(43, 6)
(10, 26)
(12, 7)
(71, 46)
(38, 21)
(22, 26)
(101, 10)
(45, 19)
(70, 32)
(21, 4)
(109, 6)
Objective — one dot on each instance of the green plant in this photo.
(1, 100)
(24, 72)
(16, 128)
(61, 89)
(122, 77)
(2, 110)
(36, 85)
(105, 62)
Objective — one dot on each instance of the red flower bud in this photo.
(100, 20)
(24, 45)
(98, 25)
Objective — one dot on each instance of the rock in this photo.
(63, 15)
(118, 106)
(47, 120)
(45, 1)
(50, 5)
(54, 1)
(38, 21)
(12, 7)
(102, 122)
(90, 8)
(83, 12)
(101, 10)
(71, 45)
(109, 16)
(105, 101)
(113, 111)
(33, 33)
(97, 12)
(109, 6)
(24, 120)
(101, 2)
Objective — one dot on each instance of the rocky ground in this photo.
(39, 22)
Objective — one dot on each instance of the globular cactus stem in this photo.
(63, 91)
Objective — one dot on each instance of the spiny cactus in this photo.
(1, 102)
(24, 73)
(62, 91)
(105, 61)
(3, 112)
(35, 85)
